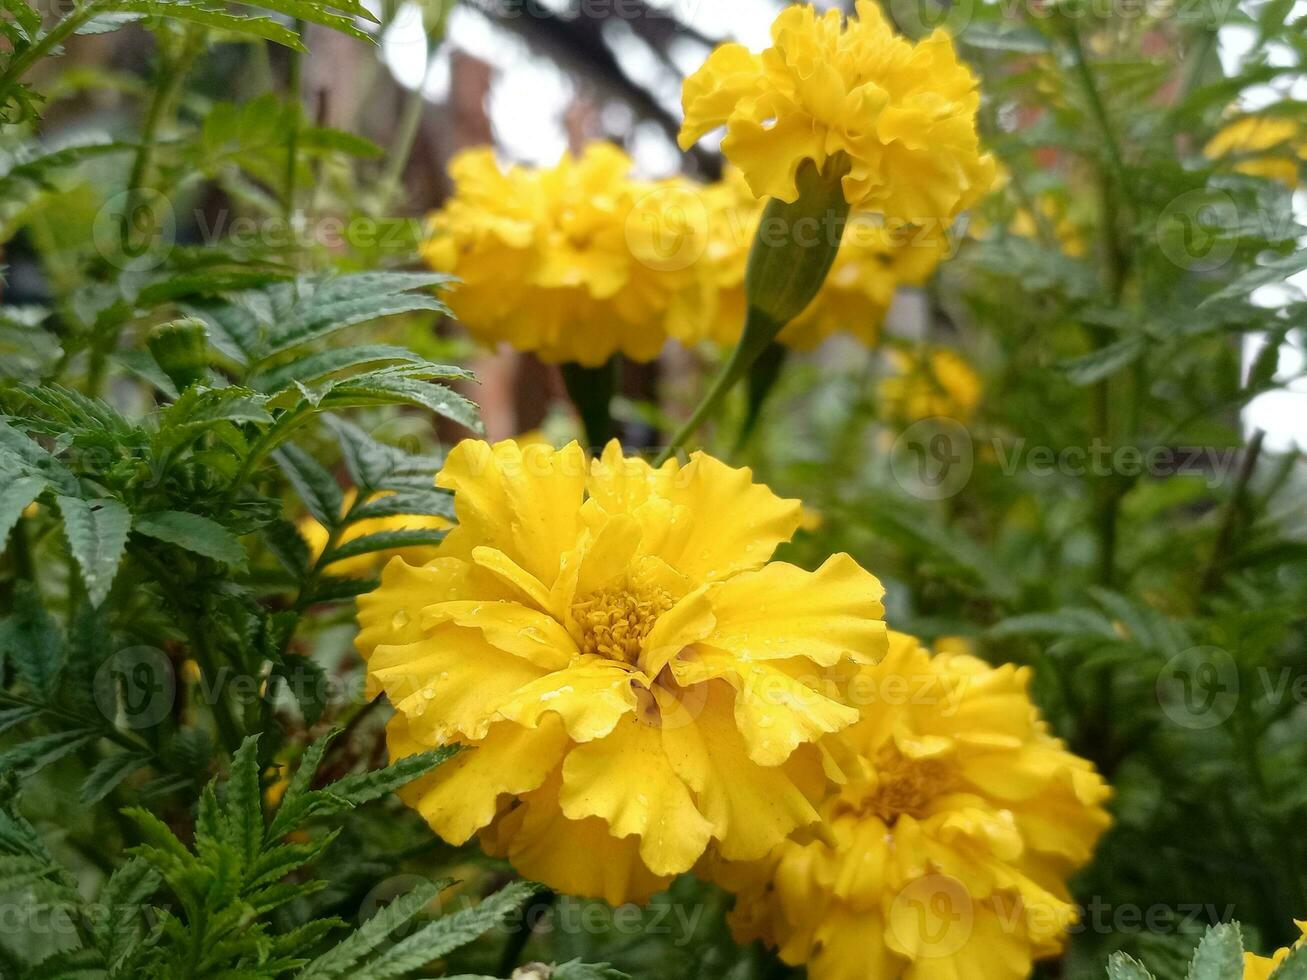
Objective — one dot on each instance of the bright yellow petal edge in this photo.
(949, 842)
(639, 685)
(903, 114)
(1261, 967)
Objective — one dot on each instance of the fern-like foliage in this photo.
(204, 910)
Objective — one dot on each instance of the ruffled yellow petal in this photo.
(752, 808)
(590, 696)
(463, 795)
(626, 779)
(577, 857)
(521, 500)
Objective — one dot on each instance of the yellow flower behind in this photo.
(902, 115)
(950, 839)
(315, 535)
(575, 262)
(639, 685)
(1262, 146)
(937, 382)
(1261, 967)
(874, 259)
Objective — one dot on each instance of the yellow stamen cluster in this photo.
(614, 622)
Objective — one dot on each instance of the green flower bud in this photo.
(181, 349)
(792, 252)
(796, 244)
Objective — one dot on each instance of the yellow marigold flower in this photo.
(936, 382)
(363, 565)
(575, 263)
(902, 115)
(1262, 146)
(1261, 967)
(637, 682)
(874, 259)
(949, 841)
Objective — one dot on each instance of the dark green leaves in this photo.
(97, 535)
(192, 532)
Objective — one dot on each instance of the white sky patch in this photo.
(1281, 414)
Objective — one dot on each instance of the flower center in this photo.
(614, 622)
(904, 785)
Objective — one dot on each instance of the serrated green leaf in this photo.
(34, 754)
(14, 499)
(97, 535)
(313, 367)
(1121, 966)
(208, 16)
(243, 806)
(109, 772)
(446, 934)
(427, 503)
(192, 532)
(13, 717)
(376, 930)
(391, 387)
(375, 465)
(316, 487)
(384, 541)
(364, 787)
(30, 640)
(1219, 955)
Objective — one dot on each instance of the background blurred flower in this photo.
(950, 839)
(928, 383)
(638, 684)
(1273, 147)
(575, 263)
(902, 115)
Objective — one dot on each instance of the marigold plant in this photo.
(575, 262)
(900, 116)
(951, 833)
(638, 684)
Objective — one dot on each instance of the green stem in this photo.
(762, 379)
(591, 390)
(1097, 107)
(758, 333)
(46, 43)
(166, 86)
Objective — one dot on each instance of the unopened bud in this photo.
(180, 347)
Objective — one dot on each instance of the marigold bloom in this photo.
(315, 535)
(638, 683)
(936, 382)
(874, 259)
(1262, 146)
(902, 115)
(1261, 967)
(576, 263)
(950, 840)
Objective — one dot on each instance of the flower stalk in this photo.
(793, 250)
